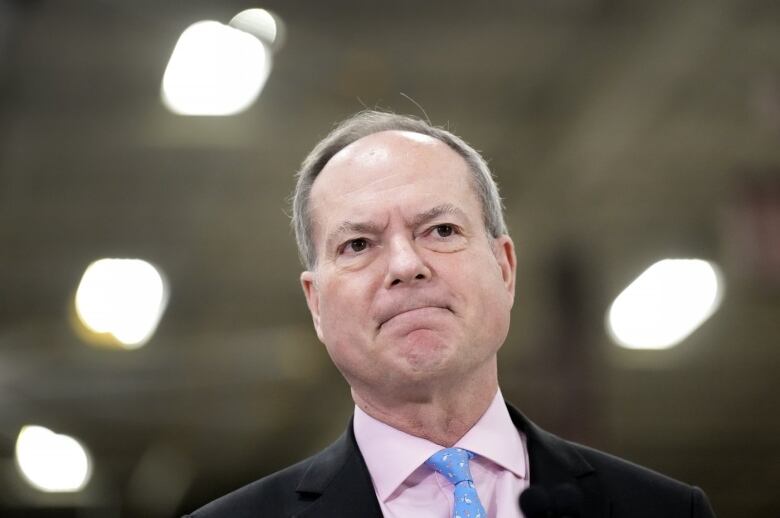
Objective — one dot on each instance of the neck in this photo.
(441, 415)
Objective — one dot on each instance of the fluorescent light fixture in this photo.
(215, 70)
(122, 297)
(52, 462)
(665, 304)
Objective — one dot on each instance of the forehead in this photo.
(392, 172)
(388, 161)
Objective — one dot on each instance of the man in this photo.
(410, 279)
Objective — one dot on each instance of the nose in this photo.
(405, 265)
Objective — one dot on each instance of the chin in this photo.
(426, 365)
(423, 345)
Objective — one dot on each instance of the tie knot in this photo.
(453, 463)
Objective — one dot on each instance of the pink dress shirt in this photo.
(406, 488)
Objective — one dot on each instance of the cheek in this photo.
(331, 315)
(488, 292)
(343, 308)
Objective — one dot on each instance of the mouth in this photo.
(409, 310)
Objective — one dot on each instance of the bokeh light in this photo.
(261, 23)
(52, 462)
(215, 70)
(122, 297)
(665, 304)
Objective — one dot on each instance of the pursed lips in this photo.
(406, 308)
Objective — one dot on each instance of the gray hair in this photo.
(366, 123)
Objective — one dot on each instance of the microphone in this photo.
(564, 501)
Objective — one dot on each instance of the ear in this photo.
(312, 299)
(504, 250)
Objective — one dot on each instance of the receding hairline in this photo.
(414, 137)
(370, 122)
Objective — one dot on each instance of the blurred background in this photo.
(621, 133)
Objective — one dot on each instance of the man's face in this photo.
(408, 288)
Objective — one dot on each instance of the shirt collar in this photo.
(496, 438)
(392, 455)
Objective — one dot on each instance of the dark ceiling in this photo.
(620, 132)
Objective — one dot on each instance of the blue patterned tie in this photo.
(453, 463)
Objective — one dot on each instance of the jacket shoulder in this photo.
(618, 470)
(277, 494)
(632, 488)
(271, 493)
(612, 486)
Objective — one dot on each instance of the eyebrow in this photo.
(435, 212)
(357, 227)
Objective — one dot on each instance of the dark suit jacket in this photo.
(336, 483)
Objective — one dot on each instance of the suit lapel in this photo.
(554, 461)
(337, 483)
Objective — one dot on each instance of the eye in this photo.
(354, 246)
(444, 230)
(445, 237)
(357, 245)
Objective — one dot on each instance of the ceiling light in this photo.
(665, 304)
(52, 462)
(262, 24)
(215, 70)
(122, 297)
